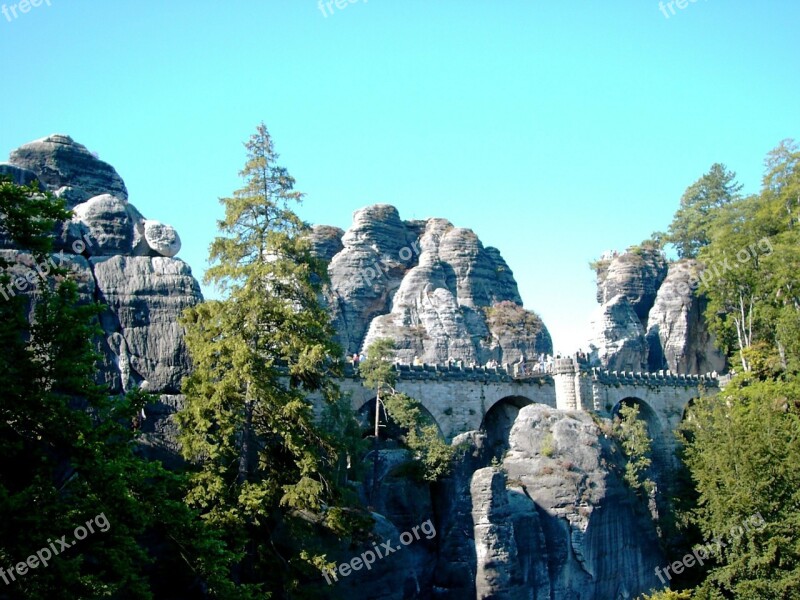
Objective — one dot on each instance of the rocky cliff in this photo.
(677, 335)
(432, 287)
(122, 260)
(553, 521)
(651, 316)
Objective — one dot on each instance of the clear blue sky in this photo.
(556, 130)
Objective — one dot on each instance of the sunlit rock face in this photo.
(671, 333)
(617, 339)
(428, 285)
(677, 334)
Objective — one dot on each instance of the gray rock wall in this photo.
(671, 333)
(122, 260)
(677, 334)
(425, 284)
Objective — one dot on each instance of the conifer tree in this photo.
(258, 353)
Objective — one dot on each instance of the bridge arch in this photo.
(498, 421)
(388, 429)
(659, 433)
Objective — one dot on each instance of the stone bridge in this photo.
(461, 399)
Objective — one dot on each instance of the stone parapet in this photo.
(658, 379)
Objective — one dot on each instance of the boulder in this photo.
(162, 239)
(107, 224)
(59, 161)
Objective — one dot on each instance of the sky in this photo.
(555, 130)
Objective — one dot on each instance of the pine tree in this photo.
(689, 228)
(258, 353)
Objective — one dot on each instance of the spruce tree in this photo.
(258, 353)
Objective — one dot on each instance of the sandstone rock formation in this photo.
(68, 168)
(617, 338)
(123, 261)
(426, 284)
(636, 274)
(672, 333)
(547, 526)
(554, 521)
(677, 333)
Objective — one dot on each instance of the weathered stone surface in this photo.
(326, 241)
(17, 174)
(499, 570)
(564, 525)
(438, 311)
(159, 430)
(365, 274)
(107, 224)
(145, 292)
(637, 275)
(677, 333)
(617, 337)
(59, 161)
(27, 273)
(162, 239)
(145, 297)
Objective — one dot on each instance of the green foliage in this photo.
(261, 458)
(668, 595)
(689, 228)
(377, 369)
(752, 266)
(28, 215)
(422, 436)
(67, 451)
(742, 448)
(631, 432)
(548, 448)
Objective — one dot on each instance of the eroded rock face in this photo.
(123, 260)
(377, 253)
(637, 275)
(560, 524)
(326, 241)
(18, 175)
(425, 284)
(665, 300)
(677, 334)
(59, 161)
(617, 338)
(145, 297)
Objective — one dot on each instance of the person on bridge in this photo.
(521, 366)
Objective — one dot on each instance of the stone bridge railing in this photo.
(500, 374)
(508, 373)
(660, 378)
